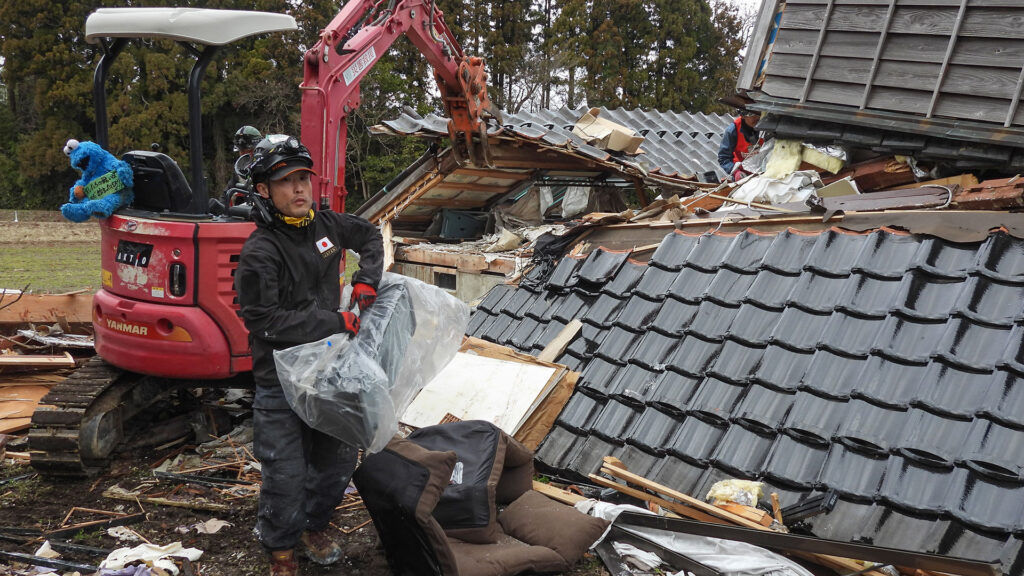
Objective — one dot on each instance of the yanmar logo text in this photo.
(127, 327)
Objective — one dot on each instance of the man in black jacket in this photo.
(289, 289)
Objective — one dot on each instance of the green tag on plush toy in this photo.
(103, 186)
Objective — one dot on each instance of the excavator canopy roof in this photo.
(202, 26)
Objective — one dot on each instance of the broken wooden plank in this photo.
(47, 308)
(749, 512)
(612, 470)
(675, 507)
(109, 523)
(463, 262)
(65, 360)
(876, 174)
(558, 344)
(563, 496)
(127, 496)
(963, 180)
(480, 347)
(354, 528)
(1002, 194)
(642, 249)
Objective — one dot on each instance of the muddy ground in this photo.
(42, 503)
(39, 503)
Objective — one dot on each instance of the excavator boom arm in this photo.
(348, 48)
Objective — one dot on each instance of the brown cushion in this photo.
(540, 521)
(517, 475)
(505, 558)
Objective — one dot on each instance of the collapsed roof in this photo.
(540, 149)
(883, 365)
(936, 80)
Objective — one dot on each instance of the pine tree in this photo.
(570, 40)
(48, 84)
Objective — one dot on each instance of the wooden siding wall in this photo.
(960, 59)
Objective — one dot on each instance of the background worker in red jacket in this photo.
(736, 141)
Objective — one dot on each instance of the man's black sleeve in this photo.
(725, 150)
(364, 239)
(256, 282)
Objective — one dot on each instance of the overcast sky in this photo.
(745, 5)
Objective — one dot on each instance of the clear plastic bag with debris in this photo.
(745, 492)
(355, 389)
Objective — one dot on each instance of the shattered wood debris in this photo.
(679, 504)
(33, 360)
(209, 478)
(113, 519)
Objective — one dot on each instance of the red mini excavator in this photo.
(167, 314)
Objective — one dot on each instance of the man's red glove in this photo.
(739, 172)
(349, 323)
(363, 295)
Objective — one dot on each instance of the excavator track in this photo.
(78, 423)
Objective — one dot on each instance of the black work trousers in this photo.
(305, 472)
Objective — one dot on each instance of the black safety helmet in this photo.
(277, 156)
(247, 138)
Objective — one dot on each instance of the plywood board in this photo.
(473, 387)
(37, 361)
(11, 425)
(17, 403)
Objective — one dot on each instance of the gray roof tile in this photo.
(888, 367)
(680, 144)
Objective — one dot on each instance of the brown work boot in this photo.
(320, 548)
(282, 563)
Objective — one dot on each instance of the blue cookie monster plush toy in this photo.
(105, 185)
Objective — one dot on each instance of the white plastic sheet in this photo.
(152, 555)
(795, 187)
(726, 556)
(355, 388)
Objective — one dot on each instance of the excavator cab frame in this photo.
(200, 32)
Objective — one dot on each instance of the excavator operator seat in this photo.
(159, 183)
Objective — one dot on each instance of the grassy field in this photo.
(50, 255)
